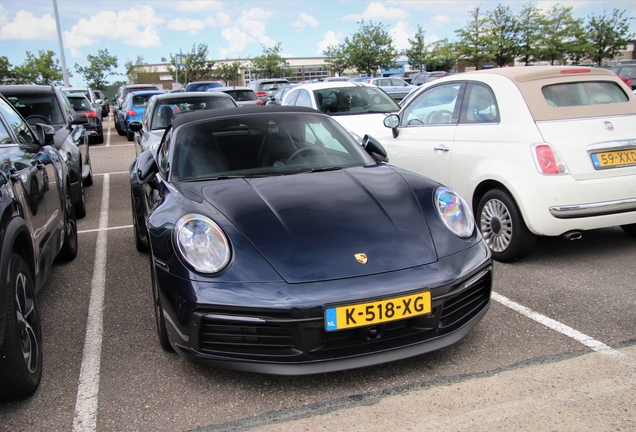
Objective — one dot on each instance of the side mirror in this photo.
(45, 133)
(99, 101)
(135, 126)
(79, 119)
(146, 167)
(392, 121)
(374, 148)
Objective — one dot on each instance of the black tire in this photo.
(162, 332)
(99, 139)
(130, 135)
(70, 245)
(21, 351)
(139, 243)
(503, 228)
(630, 229)
(80, 204)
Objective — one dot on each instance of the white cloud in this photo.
(135, 26)
(25, 26)
(238, 41)
(379, 12)
(439, 20)
(401, 34)
(221, 20)
(328, 39)
(75, 53)
(198, 6)
(253, 22)
(189, 25)
(304, 21)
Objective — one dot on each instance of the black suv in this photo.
(37, 226)
(49, 105)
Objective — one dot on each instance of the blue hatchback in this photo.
(133, 109)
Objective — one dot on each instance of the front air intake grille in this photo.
(459, 308)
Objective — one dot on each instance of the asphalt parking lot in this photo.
(556, 350)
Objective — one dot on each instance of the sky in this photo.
(235, 29)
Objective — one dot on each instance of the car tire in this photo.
(70, 245)
(630, 229)
(162, 332)
(503, 228)
(80, 204)
(99, 139)
(139, 243)
(21, 351)
(130, 135)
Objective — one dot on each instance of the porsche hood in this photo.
(328, 225)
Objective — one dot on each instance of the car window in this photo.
(398, 83)
(290, 99)
(304, 99)
(583, 93)
(355, 100)
(5, 138)
(436, 105)
(79, 104)
(480, 105)
(15, 122)
(163, 152)
(242, 95)
(38, 108)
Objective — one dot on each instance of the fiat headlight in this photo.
(454, 212)
(202, 243)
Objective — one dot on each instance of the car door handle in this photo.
(441, 148)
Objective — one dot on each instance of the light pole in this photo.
(59, 38)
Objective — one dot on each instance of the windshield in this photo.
(264, 145)
(194, 87)
(38, 108)
(79, 103)
(355, 100)
(167, 109)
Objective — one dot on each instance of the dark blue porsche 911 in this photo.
(280, 245)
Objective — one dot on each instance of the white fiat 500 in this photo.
(536, 151)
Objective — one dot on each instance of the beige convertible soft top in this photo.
(531, 79)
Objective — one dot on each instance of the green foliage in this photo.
(337, 59)
(418, 55)
(503, 38)
(39, 70)
(371, 48)
(99, 69)
(270, 64)
(529, 32)
(557, 28)
(197, 66)
(474, 39)
(138, 72)
(608, 35)
(6, 71)
(444, 55)
(228, 72)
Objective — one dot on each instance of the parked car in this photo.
(244, 96)
(627, 72)
(162, 109)
(94, 128)
(277, 98)
(336, 79)
(536, 151)
(37, 226)
(49, 105)
(425, 77)
(264, 222)
(124, 89)
(89, 94)
(201, 86)
(394, 87)
(360, 108)
(133, 109)
(103, 101)
(266, 87)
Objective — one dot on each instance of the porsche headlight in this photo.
(454, 212)
(202, 243)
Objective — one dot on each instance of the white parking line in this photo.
(108, 137)
(85, 418)
(556, 326)
(104, 229)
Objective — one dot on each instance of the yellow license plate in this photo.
(376, 312)
(614, 159)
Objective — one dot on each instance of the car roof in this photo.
(188, 95)
(244, 111)
(332, 84)
(33, 88)
(229, 88)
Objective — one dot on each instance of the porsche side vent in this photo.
(244, 338)
(466, 304)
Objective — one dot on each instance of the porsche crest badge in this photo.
(362, 258)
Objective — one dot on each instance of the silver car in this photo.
(244, 96)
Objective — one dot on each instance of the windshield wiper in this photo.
(331, 168)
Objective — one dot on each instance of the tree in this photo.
(473, 39)
(39, 70)
(608, 35)
(270, 64)
(100, 67)
(371, 48)
(556, 27)
(418, 55)
(6, 71)
(503, 27)
(337, 59)
(138, 72)
(197, 65)
(529, 34)
(228, 72)
(444, 55)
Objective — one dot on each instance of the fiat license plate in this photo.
(614, 159)
(376, 312)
